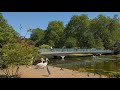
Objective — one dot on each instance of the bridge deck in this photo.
(72, 51)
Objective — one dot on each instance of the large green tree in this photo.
(99, 44)
(37, 36)
(70, 42)
(53, 33)
(106, 29)
(114, 28)
(7, 33)
(89, 40)
(76, 28)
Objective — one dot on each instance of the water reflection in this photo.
(98, 64)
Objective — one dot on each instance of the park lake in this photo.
(101, 65)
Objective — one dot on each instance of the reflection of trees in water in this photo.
(91, 64)
(94, 58)
(77, 65)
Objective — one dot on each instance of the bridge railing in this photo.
(72, 50)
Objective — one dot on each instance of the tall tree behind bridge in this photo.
(101, 32)
(37, 36)
(77, 28)
(53, 33)
(106, 29)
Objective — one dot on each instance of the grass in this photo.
(105, 59)
(80, 54)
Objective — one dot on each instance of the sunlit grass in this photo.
(80, 54)
(105, 59)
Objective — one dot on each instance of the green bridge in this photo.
(66, 51)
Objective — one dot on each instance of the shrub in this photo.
(15, 54)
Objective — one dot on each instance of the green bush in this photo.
(14, 54)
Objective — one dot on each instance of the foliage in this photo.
(7, 33)
(99, 44)
(15, 50)
(89, 41)
(53, 33)
(106, 29)
(76, 28)
(101, 32)
(70, 42)
(15, 54)
(117, 47)
(44, 46)
(37, 36)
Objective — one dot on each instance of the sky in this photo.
(41, 19)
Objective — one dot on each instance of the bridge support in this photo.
(63, 58)
(97, 54)
(55, 57)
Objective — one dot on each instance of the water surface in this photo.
(100, 64)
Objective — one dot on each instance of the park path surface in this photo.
(32, 72)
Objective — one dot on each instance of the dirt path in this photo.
(55, 73)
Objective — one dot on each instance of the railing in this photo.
(72, 50)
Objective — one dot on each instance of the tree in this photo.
(99, 44)
(7, 33)
(15, 54)
(53, 33)
(107, 40)
(89, 41)
(117, 47)
(51, 43)
(114, 28)
(70, 42)
(37, 36)
(76, 27)
(106, 29)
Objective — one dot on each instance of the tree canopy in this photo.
(53, 33)
(14, 49)
(37, 36)
(101, 32)
(7, 33)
